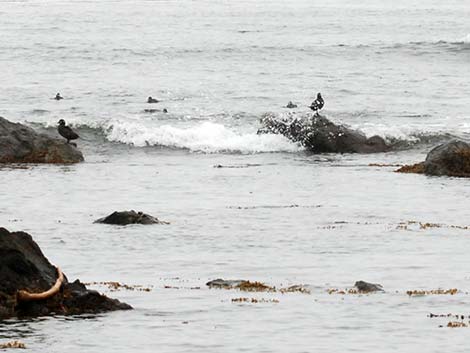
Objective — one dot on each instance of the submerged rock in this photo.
(448, 159)
(242, 285)
(31, 286)
(366, 287)
(21, 144)
(129, 217)
(224, 283)
(319, 135)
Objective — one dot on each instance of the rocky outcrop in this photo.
(31, 286)
(448, 159)
(319, 135)
(21, 144)
(365, 287)
(129, 217)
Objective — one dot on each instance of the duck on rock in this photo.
(317, 104)
(66, 131)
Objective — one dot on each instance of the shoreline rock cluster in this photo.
(31, 286)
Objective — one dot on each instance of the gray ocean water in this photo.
(278, 215)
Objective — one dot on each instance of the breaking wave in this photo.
(206, 137)
(211, 137)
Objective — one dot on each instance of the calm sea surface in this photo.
(278, 215)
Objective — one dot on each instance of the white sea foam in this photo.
(403, 132)
(416, 132)
(466, 39)
(206, 137)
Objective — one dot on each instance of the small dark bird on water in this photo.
(291, 105)
(317, 104)
(152, 100)
(66, 131)
(58, 97)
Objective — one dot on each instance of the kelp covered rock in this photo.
(319, 135)
(448, 159)
(21, 144)
(31, 286)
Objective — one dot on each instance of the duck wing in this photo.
(72, 134)
(68, 133)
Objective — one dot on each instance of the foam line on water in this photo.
(205, 137)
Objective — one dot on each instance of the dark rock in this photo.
(448, 159)
(21, 144)
(366, 287)
(87, 300)
(129, 217)
(23, 267)
(452, 159)
(319, 135)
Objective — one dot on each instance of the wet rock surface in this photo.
(26, 273)
(129, 217)
(452, 159)
(21, 144)
(366, 287)
(319, 135)
(448, 159)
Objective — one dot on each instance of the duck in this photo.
(58, 97)
(152, 100)
(317, 104)
(291, 105)
(66, 131)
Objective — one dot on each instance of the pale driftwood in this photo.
(25, 296)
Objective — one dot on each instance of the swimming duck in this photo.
(291, 105)
(152, 100)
